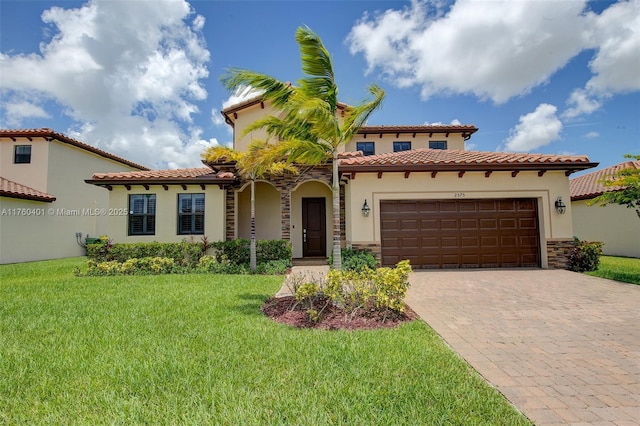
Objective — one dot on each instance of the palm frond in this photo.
(221, 154)
(275, 90)
(357, 116)
(317, 65)
(262, 158)
(299, 151)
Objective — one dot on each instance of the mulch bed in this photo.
(281, 309)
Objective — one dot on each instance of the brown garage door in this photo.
(500, 233)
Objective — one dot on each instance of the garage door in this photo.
(501, 233)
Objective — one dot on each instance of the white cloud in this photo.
(501, 49)
(592, 135)
(536, 129)
(129, 74)
(216, 118)
(580, 103)
(495, 50)
(615, 34)
(19, 110)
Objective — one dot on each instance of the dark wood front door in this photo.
(314, 231)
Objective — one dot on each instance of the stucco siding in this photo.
(166, 227)
(50, 232)
(33, 174)
(246, 117)
(268, 217)
(25, 230)
(384, 144)
(616, 226)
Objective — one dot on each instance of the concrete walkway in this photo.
(562, 347)
(308, 273)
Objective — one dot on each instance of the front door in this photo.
(314, 232)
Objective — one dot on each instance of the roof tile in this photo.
(192, 174)
(588, 186)
(445, 156)
(11, 189)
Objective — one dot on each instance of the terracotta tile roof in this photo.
(349, 154)
(11, 189)
(194, 175)
(588, 186)
(50, 135)
(460, 160)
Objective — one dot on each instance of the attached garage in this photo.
(480, 233)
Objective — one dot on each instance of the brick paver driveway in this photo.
(562, 347)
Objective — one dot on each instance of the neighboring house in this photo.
(618, 227)
(44, 201)
(430, 200)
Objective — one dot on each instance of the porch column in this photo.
(285, 210)
(230, 213)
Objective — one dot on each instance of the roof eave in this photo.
(160, 181)
(374, 168)
(27, 197)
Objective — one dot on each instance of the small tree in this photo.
(258, 161)
(309, 127)
(623, 188)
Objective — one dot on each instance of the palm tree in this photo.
(309, 128)
(258, 161)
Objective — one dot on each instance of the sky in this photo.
(141, 79)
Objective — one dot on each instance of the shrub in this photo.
(237, 251)
(273, 250)
(375, 290)
(133, 266)
(392, 286)
(230, 257)
(584, 256)
(184, 253)
(211, 264)
(356, 260)
(273, 267)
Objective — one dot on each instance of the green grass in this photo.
(195, 349)
(625, 269)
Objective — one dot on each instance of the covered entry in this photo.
(491, 233)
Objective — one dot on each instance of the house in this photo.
(44, 202)
(616, 226)
(428, 200)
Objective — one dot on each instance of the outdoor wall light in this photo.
(366, 209)
(560, 206)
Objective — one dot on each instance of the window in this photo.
(367, 148)
(437, 144)
(142, 214)
(22, 154)
(401, 146)
(190, 214)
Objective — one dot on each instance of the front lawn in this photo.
(625, 269)
(195, 349)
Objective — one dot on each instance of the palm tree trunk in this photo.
(335, 193)
(252, 245)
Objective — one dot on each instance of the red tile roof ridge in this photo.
(11, 189)
(456, 156)
(589, 186)
(46, 132)
(146, 174)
